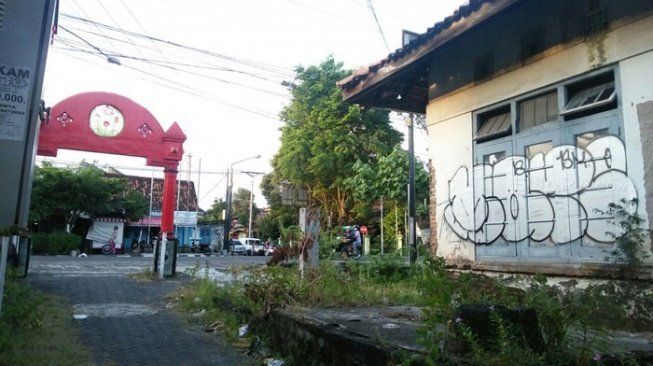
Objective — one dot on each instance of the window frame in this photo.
(563, 131)
(585, 93)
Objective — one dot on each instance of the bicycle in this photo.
(109, 248)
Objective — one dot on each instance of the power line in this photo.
(280, 70)
(185, 64)
(176, 86)
(86, 14)
(109, 58)
(376, 19)
(163, 65)
(142, 28)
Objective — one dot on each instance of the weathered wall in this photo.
(637, 104)
(452, 146)
(450, 123)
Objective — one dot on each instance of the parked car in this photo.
(253, 246)
(237, 248)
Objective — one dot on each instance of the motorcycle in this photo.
(345, 249)
(197, 247)
(143, 246)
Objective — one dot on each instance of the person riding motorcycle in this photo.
(355, 236)
(350, 242)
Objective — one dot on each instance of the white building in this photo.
(540, 114)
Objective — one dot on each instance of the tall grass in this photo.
(37, 329)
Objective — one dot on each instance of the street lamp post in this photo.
(251, 204)
(230, 183)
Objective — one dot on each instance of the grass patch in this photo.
(572, 323)
(38, 329)
(144, 276)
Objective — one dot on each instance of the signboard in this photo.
(185, 218)
(14, 89)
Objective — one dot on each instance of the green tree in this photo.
(215, 212)
(66, 193)
(240, 206)
(280, 216)
(388, 179)
(323, 137)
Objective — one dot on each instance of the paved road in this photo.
(127, 322)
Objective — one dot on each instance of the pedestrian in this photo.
(112, 240)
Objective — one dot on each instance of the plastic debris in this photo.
(83, 255)
(390, 326)
(242, 331)
(80, 316)
(275, 363)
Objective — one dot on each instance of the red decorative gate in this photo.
(112, 124)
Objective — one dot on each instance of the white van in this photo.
(252, 246)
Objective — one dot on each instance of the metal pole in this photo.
(227, 202)
(251, 202)
(230, 184)
(197, 198)
(381, 225)
(163, 243)
(412, 239)
(3, 264)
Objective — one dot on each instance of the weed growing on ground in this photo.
(628, 244)
(36, 329)
(571, 324)
(145, 275)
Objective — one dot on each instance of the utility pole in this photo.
(251, 201)
(412, 237)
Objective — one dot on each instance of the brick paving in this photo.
(116, 336)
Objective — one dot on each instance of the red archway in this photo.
(110, 123)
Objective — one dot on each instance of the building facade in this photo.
(539, 116)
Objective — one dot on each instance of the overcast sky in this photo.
(216, 67)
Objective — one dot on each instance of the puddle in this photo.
(112, 310)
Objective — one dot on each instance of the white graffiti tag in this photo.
(557, 196)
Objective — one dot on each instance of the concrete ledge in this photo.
(585, 270)
(353, 336)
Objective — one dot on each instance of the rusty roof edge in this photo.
(476, 11)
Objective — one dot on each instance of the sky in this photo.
(216, 67)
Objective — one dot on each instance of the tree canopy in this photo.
(66, 193)
(239, 208)
(323, 137)
(388, 179)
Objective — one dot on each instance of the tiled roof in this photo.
(187, 195)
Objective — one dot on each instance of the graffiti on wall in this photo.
(555, 197)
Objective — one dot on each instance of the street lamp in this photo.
(230, 183)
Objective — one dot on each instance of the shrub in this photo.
(628, 244)
(53, 244)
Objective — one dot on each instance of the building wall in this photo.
(637, 73)
(451, 120)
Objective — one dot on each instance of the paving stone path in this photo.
(126, 322)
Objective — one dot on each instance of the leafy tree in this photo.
(240, 206)
(323, 137)
(388, 179)
(280, 216)
(215, 212)
(66, 193)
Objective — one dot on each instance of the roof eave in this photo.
(358, 87)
